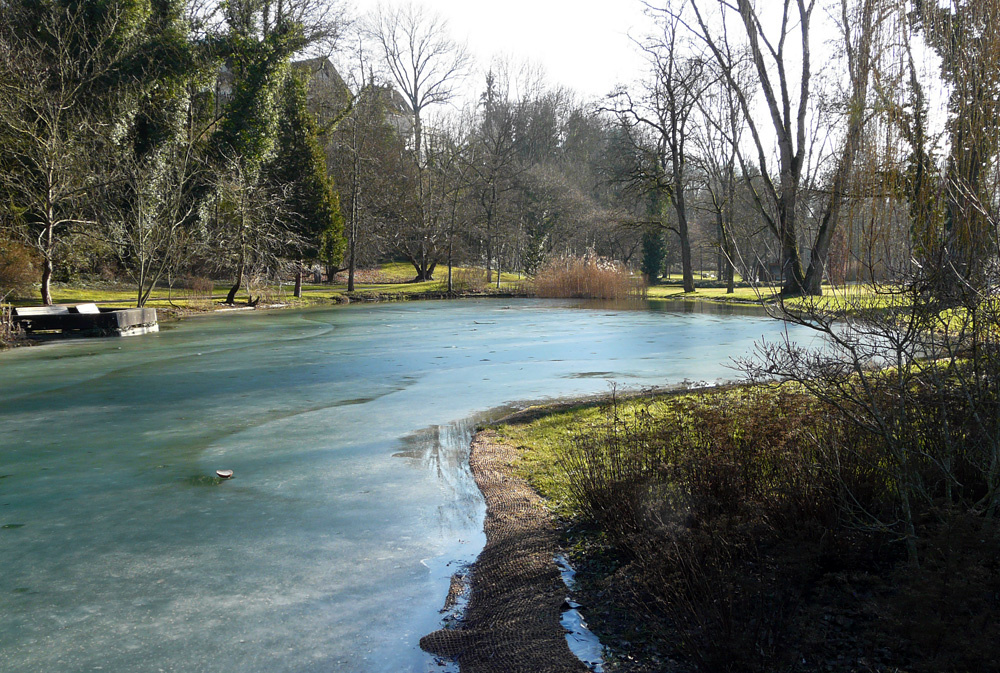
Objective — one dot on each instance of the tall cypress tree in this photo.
(299, 166)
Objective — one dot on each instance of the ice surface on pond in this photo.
(581, 640)
(351, 504)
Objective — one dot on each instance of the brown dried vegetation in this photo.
(753, 529)
(589, 277)
(17, 268)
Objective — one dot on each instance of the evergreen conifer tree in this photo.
(299, 166)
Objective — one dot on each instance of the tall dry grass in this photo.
(468, 280)
(6, 323)
(588, 277)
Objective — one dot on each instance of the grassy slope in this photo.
(395, 279)
(548, 435)
(543, 440)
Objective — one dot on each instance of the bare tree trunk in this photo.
(240, 270)
(728, 245)
(47, 267)
(682, 232)
(424, 267)
(46, 281)
(720, 255)
(725, 269)
(298, 280)
(499, 253)
(451, 286)
(730, 268)
(355, 210)
(860, 71)
(489, 252)
(793, 278)
(821, 248)
(350, 265)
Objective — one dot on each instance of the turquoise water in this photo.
(351, 504)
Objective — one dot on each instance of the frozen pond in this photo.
(351, 505)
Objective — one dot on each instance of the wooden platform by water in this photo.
(86, 320)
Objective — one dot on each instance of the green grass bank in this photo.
(752, 528)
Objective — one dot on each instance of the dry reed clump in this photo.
(196, 286)
(195, 290)
(588, 277)
(468, 280)
(9, 332)
(202, 287)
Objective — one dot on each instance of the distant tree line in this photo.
(160, 140)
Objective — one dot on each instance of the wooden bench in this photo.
(32, 311)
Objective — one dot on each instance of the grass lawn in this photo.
(545, 438)
(741, 294)
(124, 296)
(394, 279)
(835, 298)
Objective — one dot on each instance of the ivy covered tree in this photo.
(160, 161)
(256, 50)
(653, 253)
(72, 75)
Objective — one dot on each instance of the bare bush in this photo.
(198, 290)
(8, 330)
(916, 378)
(703, 493)
(17, 273)
(729, 510)
(198, 285)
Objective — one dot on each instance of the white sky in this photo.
(581, 44)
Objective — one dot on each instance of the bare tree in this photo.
(50, 124)
(425, 64)
(779, 84)
(859, 26)
(424, 61)
(492, 159)
(247, 226)
(718, 138)
(144, 230)
(666, 109)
